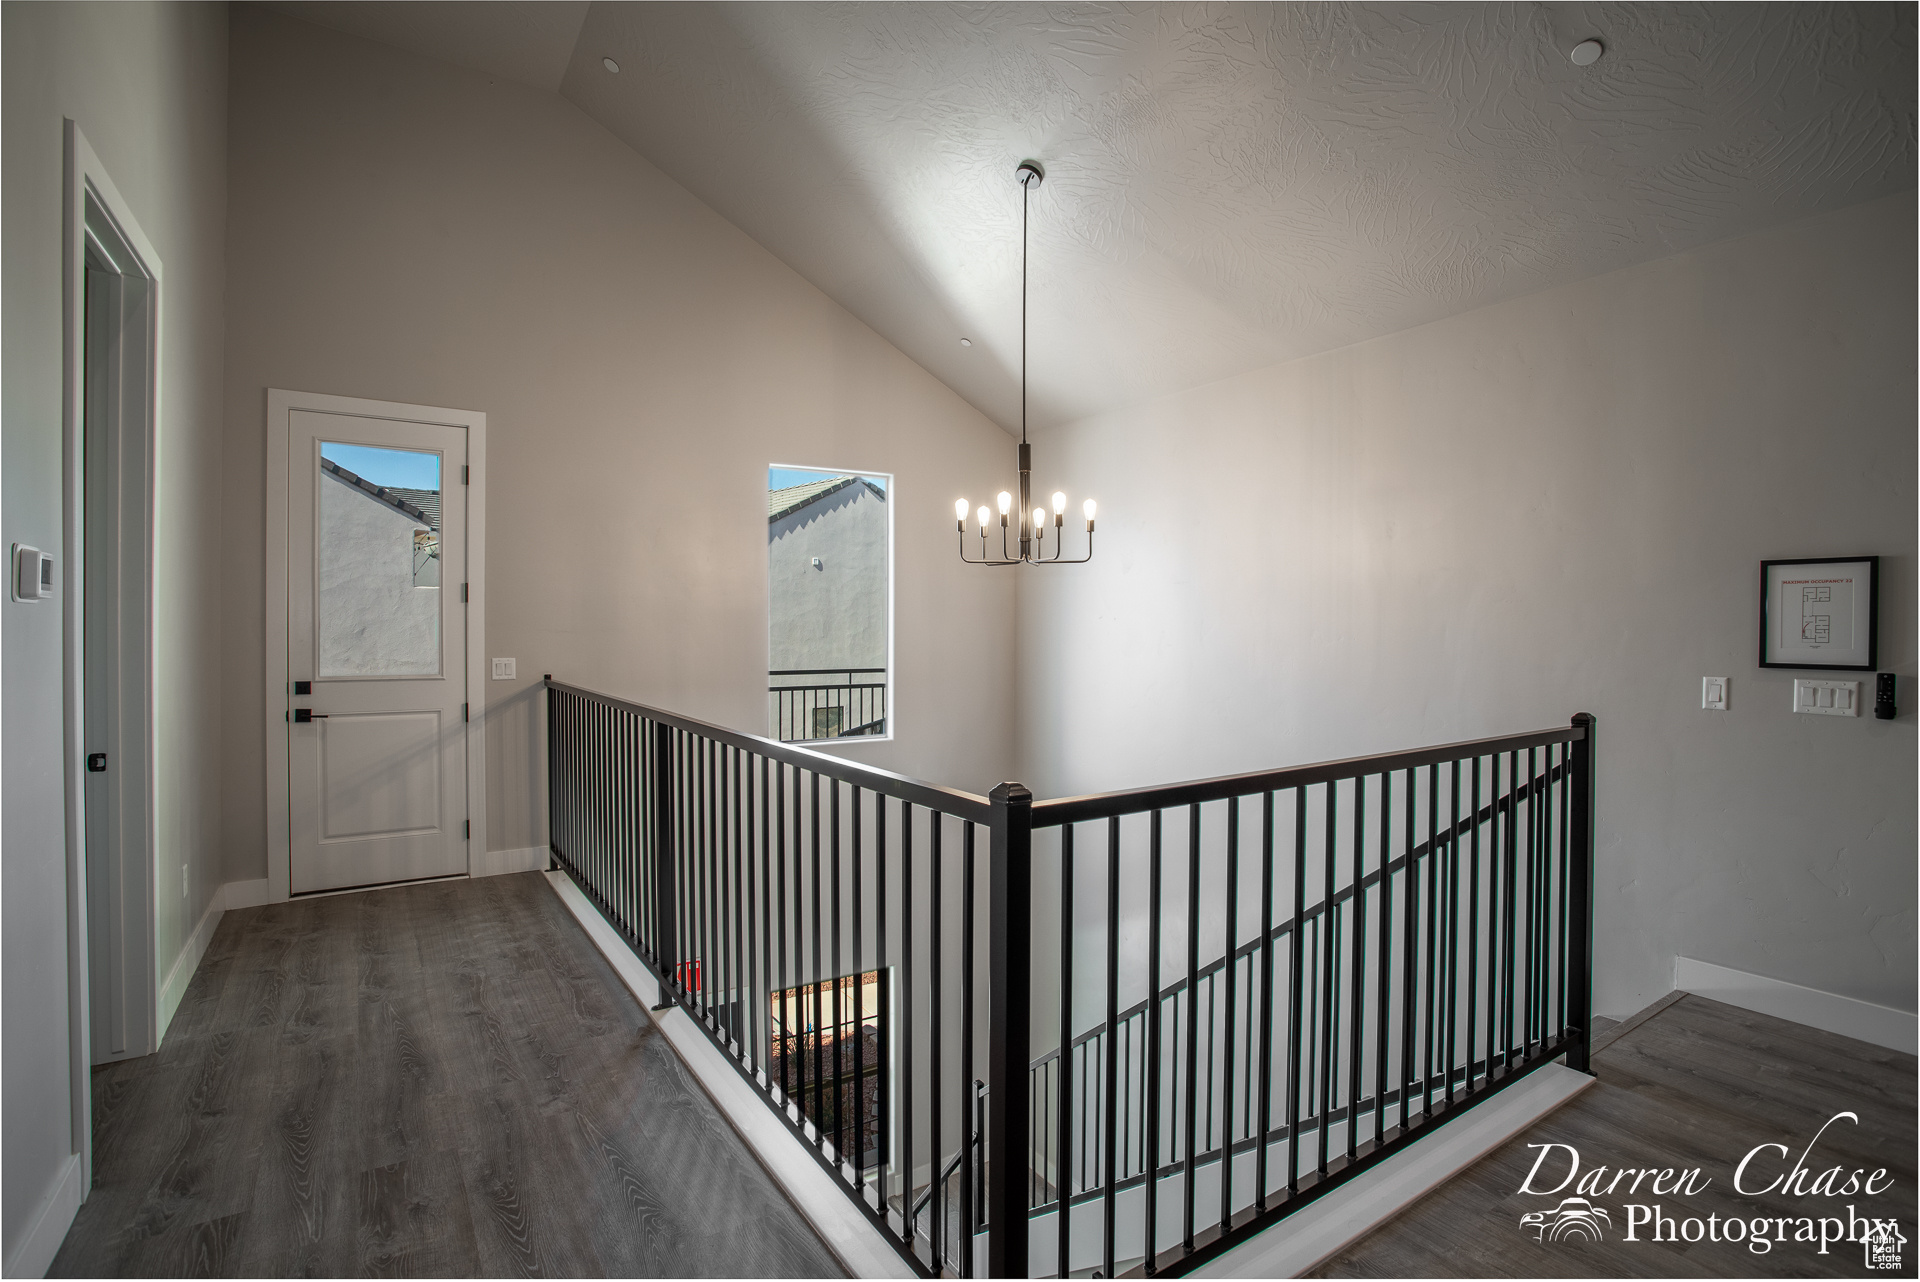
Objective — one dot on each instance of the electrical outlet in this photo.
(503, 669)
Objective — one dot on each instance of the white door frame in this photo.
(86, 176)
(278, 690)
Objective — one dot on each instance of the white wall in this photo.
(1552, 505)
(146, 82)
(407, 230)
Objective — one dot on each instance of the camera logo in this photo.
(1575, 1219)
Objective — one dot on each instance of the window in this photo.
(829, 604)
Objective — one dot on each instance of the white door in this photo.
(376, 650)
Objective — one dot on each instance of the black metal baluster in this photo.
(833, 974)
(1473, 935)
(1266, 1001)
(1562, 899)
(764, 983)
(1152, 1089)
(1453, 938)
(937, 986)
(784, 902)
(859, 992)
(1192, 1098)
(969, 1225)
(1109, 1102)
(1063, 1138)
(819, 973)
(1226, 1059)
(1328, 961)
(1383, 1001)
(738, 1006)
(908, 993)
(1511, 890)
(882, 1096)
(1357, 929)
(1409, 948)
(1294, 1004)
(1433, 1026)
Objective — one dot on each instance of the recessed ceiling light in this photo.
(966, 342)
(614, 67)
(1586, 53)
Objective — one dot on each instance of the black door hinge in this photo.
(464, 716)
(463, 594)
(96, 763)
(469, 833)
(463, 474)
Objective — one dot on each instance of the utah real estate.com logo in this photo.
(1577, 1218)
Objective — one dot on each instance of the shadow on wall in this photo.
(516, 765)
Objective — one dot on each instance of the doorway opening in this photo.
(119, 328)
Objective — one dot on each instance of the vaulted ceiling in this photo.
(1227, 185)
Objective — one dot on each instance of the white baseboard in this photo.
(187, 962)
(1323, 1228)
(857, 1244)
(493, 863)
(33, 1255)
(246, 894)
(1897, 1030)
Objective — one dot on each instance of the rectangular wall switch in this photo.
(1713, 693)
(503, 669)
(1827, 698)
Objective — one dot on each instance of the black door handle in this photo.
(96, 763)
(303, 715)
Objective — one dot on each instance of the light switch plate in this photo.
(503, 669)
(1826, 698)
(1713, 693)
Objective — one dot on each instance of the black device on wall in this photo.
(1883, 702)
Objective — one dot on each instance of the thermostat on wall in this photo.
(32, 573)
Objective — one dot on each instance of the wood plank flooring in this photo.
(429, 1081)
(1697, 1084)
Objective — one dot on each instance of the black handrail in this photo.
(745, 871)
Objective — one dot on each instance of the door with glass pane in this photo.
(376, 645)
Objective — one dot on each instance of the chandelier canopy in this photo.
(1033, 522)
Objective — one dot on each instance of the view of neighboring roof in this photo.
(420, 505)
(794, 497)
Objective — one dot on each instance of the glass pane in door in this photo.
(379, 561)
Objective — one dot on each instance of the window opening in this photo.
(379, 561)
(829, 1053)
(829, 604)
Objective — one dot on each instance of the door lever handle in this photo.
(301, 716)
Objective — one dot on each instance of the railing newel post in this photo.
(1580, 895)
(1009, 1009)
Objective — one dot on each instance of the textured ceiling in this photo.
(1231, 185)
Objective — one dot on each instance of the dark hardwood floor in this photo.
(435, 1080)
(1697, 1084)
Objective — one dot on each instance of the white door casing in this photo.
(386, 783)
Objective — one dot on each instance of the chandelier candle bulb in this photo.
(985, 516)
(1006, 502)
(960, 510)
(1059, 501)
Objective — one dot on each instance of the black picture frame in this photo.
(1768, 601)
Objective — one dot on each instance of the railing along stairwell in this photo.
(1213, 1001)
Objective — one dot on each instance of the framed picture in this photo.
(1820, 612)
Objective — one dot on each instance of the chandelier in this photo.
(1033, 522)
